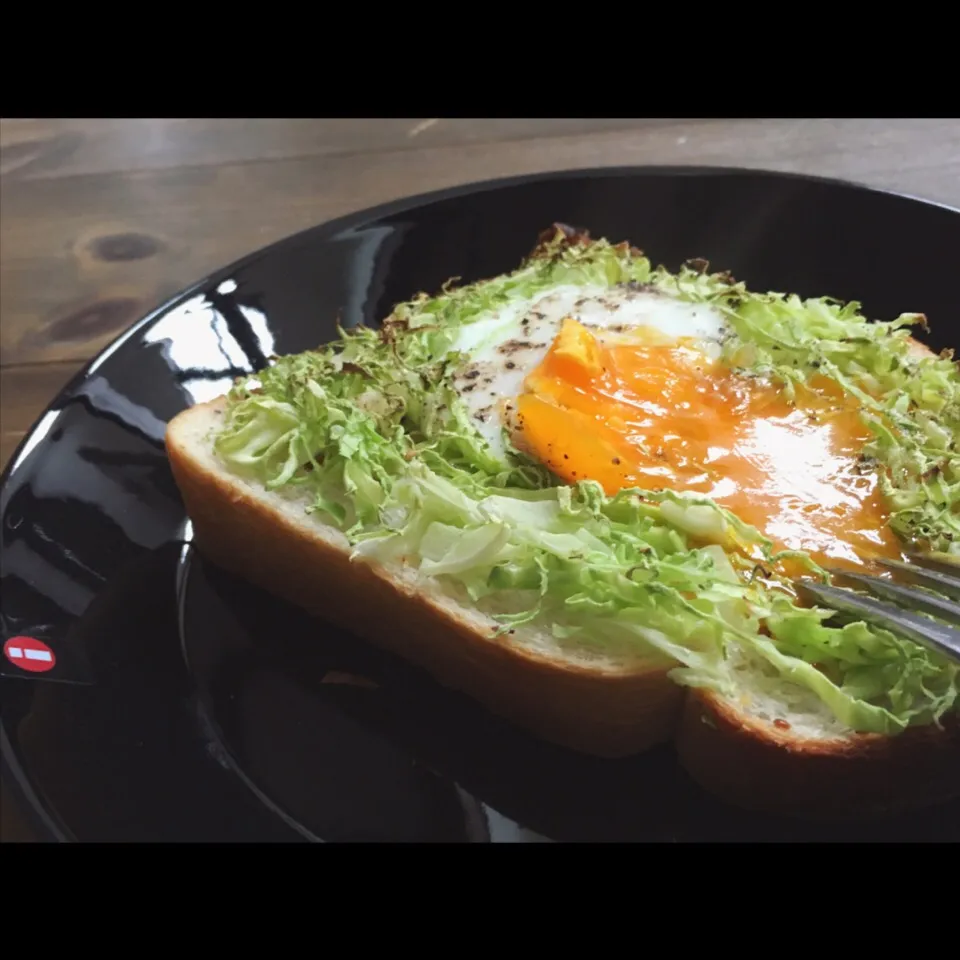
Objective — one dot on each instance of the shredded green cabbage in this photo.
(371, 431)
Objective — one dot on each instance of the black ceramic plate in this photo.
(180, 704)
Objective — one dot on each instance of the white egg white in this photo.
(501, 348)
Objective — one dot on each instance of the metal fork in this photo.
(901, 608)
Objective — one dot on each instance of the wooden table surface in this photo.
(100, 220)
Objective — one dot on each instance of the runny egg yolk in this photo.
(655, 414)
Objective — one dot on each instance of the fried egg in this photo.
(506, 346)
(625, 386)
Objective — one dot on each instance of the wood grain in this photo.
(56, 148)
(84, 255)
(101, 219)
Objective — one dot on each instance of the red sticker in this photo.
(29, 654)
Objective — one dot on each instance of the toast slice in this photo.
(607, 707)
(768, 741)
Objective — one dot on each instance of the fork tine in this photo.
(909, 597)
(914, 627)
(942, 562)
(946, 583)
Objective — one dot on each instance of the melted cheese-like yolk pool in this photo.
(656, 414)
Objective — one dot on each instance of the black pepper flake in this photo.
(469, 387)
(566, 456)
(512, 346)
(616, 461)
(509, 364)
(472, 374)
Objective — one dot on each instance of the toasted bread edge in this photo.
(754, 764)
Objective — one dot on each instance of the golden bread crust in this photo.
(754, 764)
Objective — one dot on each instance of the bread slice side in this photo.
(607, 708)
(772, 767)
(763, 753)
